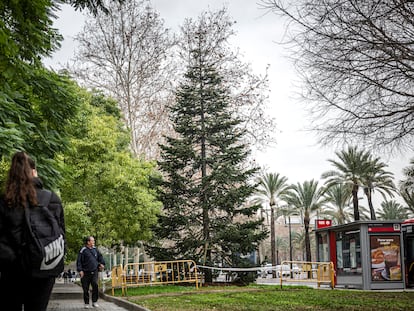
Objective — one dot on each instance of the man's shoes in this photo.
(95, 305)
(87, 306)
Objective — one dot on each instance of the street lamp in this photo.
(290, 248)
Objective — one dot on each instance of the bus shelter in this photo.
(366, 254)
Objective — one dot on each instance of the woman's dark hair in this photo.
(20, 189)
(32, 163)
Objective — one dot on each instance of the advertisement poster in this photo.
(352, 253)
(339, 260)
(385, 258)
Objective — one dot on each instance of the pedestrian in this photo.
(70, 275)
(18, 286)
(88, 263)
(65, 277)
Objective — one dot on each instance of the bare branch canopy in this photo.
(356, 59)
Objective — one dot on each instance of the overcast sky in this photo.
(296, 155)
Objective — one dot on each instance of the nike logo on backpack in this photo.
(54, 253)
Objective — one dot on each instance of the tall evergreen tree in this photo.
(206, 215)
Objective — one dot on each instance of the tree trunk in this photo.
(368, 193)
(307, 244)
(273, 240)
(355, 201)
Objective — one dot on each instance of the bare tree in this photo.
(249, 92)
(356, 58)
(126, 53)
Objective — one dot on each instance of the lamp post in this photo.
(290, 248)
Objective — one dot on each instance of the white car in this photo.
(282, 270)
(264, 270)
(286, 270)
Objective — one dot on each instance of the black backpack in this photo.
(44, 247)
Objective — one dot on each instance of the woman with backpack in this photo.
(22, 284)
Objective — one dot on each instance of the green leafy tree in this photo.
(391, 210)
(94, 6)
(307, 199)
(78, 225)
(270, 189)
(36, 104)
(114, 188)
(206, 216)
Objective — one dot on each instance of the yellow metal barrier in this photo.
(117, 278)
(154, 273)
(306, 272)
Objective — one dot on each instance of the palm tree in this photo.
(282, 249)
(408, 183)
(376, 177)
(339, 197)
(298, 239)
(409, 200)
(407, 186)
(307, 198)
(349, 170)
(271, 187)
(391, 210)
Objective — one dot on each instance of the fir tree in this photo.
(206, 215)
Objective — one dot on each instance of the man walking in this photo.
(89, 262)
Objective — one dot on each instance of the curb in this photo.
(122, 303)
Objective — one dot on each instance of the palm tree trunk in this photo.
(273, 239)
(307, 243)
(355, 201)
(368, 193)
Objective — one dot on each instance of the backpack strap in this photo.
(43, 199)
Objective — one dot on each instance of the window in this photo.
(348, 253)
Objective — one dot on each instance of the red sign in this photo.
(384, 228)
(323, 223)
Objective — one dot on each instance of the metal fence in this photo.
(154, 273)
(306, 272)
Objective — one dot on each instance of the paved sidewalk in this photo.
(68, 297)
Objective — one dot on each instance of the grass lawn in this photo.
(266, 298)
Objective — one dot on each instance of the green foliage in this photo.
(358, 168)
(35, 104)
(307, 198)
(406, 186)
(92, 5)
(206, 184)
(101, 174)
(85, 151)
(391, 210)
(77, 225)
(338, 209)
